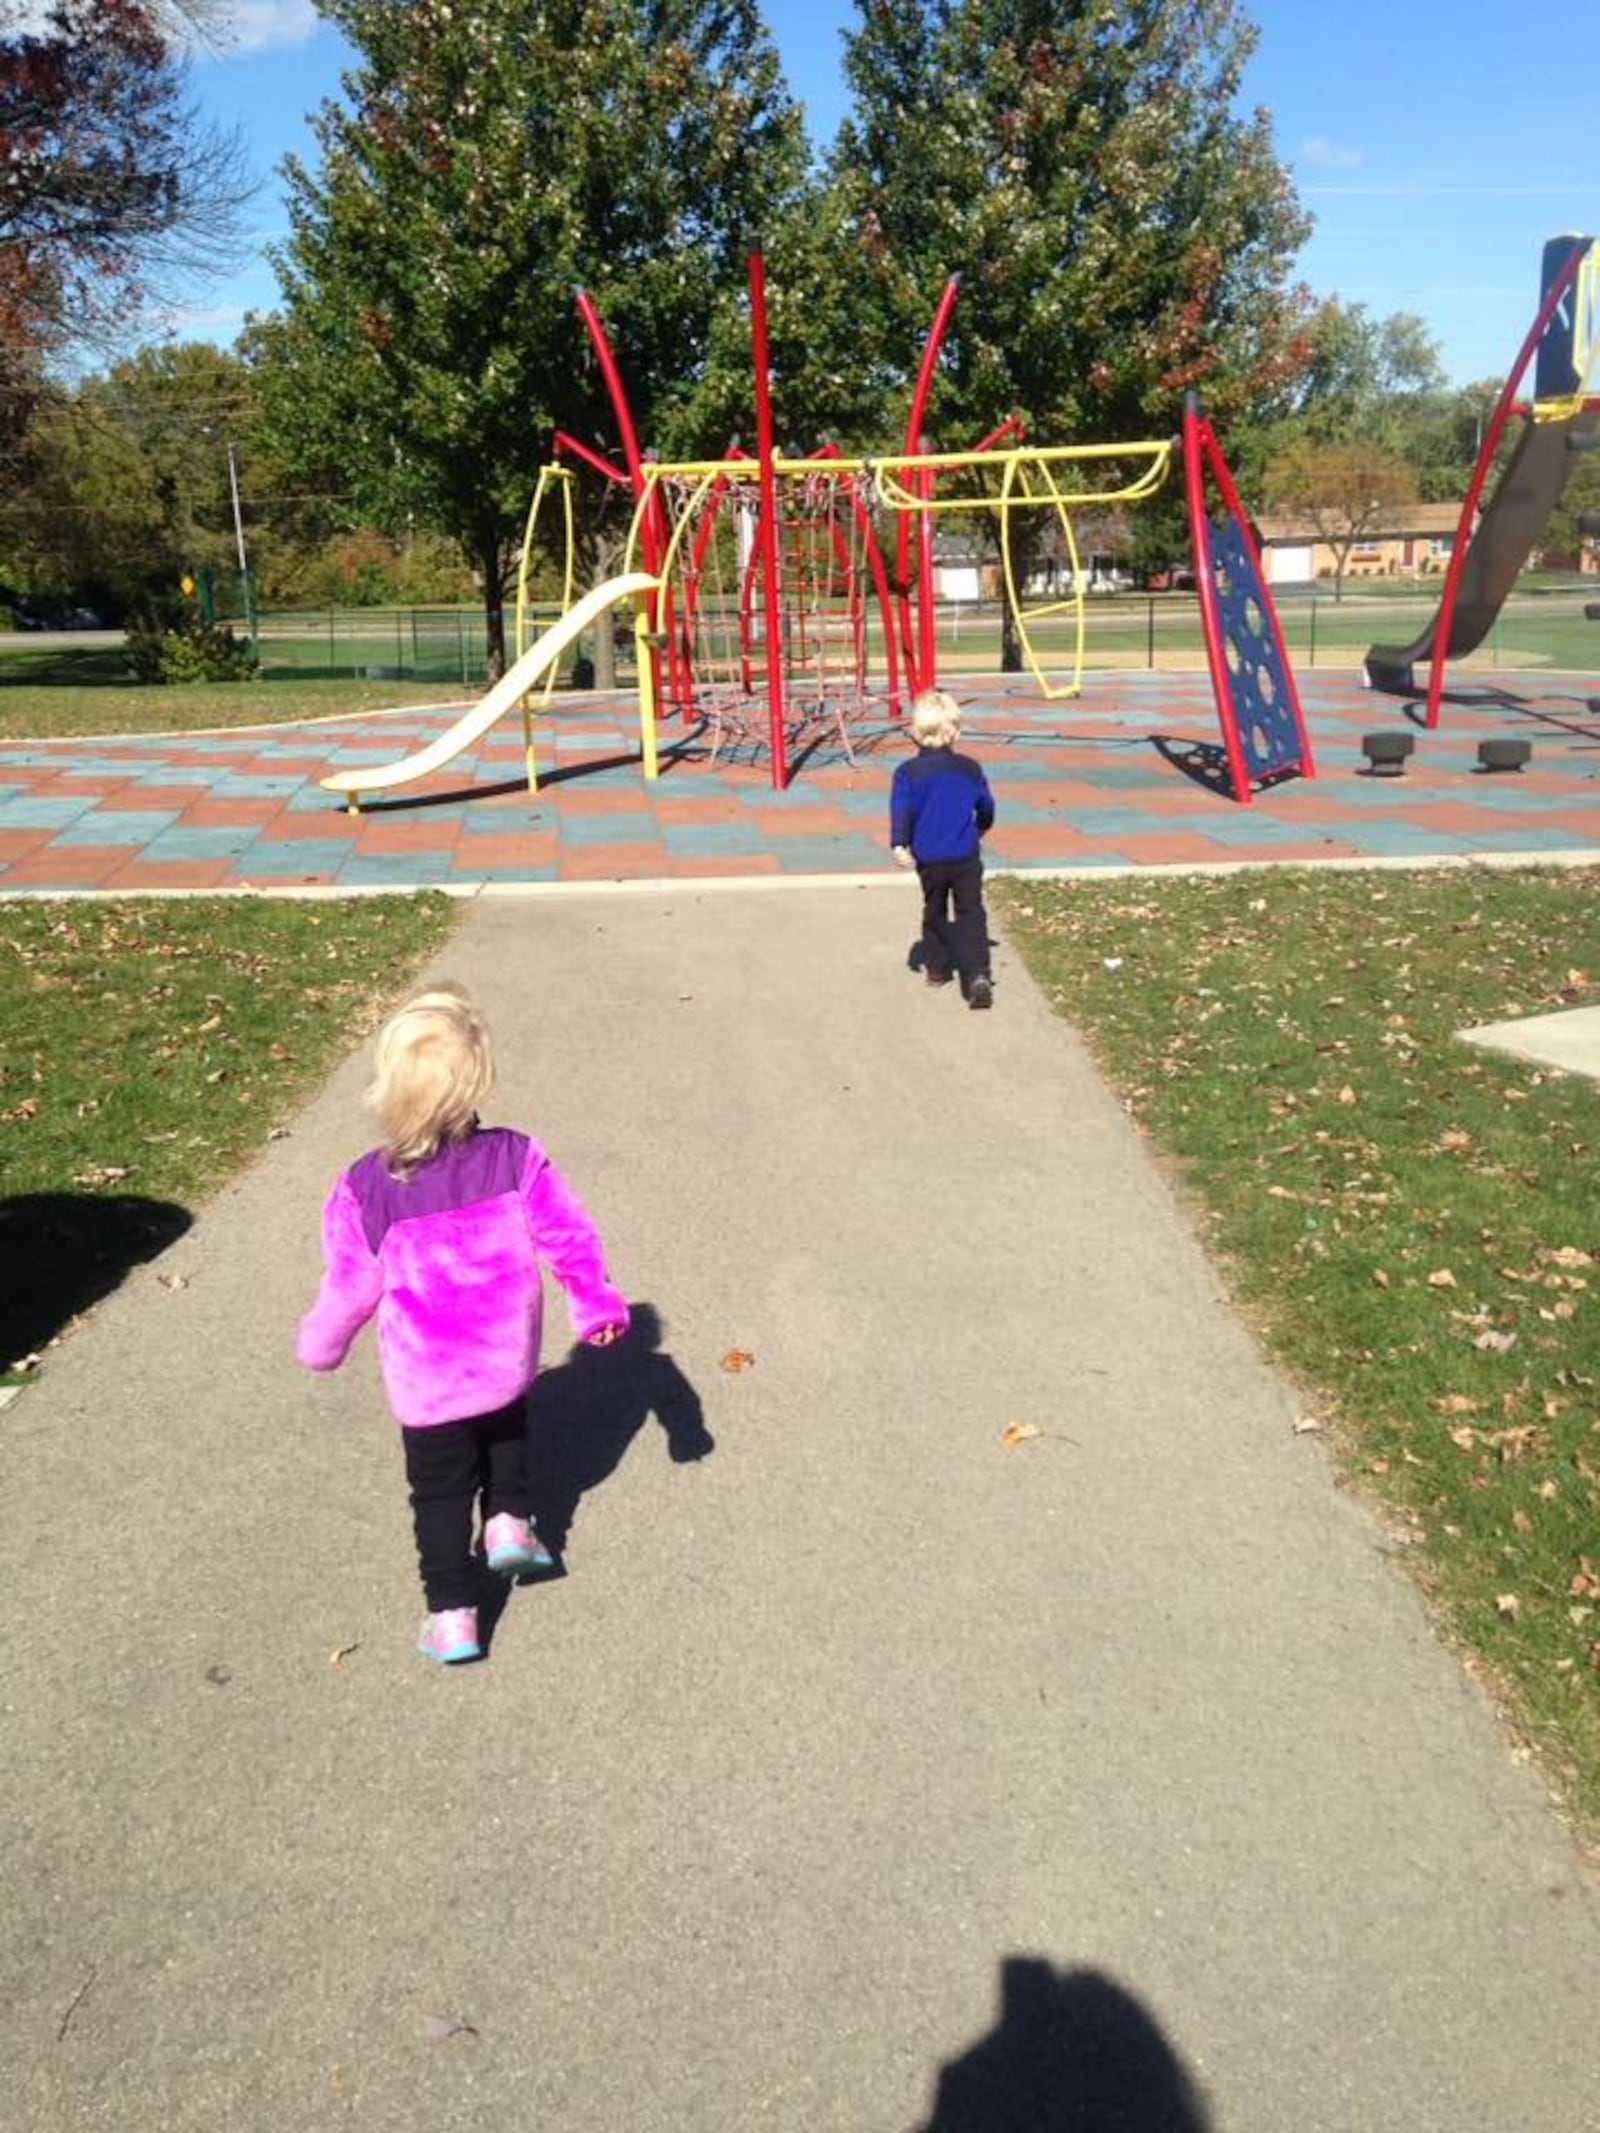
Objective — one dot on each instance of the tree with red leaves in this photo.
(112, 191)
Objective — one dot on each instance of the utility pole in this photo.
(238, 534)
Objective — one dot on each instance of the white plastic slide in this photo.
(523, 675)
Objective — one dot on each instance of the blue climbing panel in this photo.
(1260, 688)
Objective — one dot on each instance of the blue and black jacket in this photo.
(939, 805)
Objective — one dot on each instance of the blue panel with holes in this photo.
(1259, 686)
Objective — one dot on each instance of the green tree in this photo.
(127, 486)
(1124, 231)
(495, 157)
(1343, 492)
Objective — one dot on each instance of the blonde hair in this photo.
(935, 719)
(433, 1067)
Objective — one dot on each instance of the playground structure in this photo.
(1494, 539)
(778, 601)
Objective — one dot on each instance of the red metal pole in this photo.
(920, 650)
(1503, 410)
(761, 359)
(651, 530)
(1194, 482)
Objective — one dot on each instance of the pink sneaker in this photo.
(512, 1547)
(450, 1636)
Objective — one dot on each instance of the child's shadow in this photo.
(583, 1415)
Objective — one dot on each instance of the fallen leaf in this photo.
(338, 1658)
(1305, 1424)
(1457, 1403)
(1380, 1277)
(1493, 1343)
(1020, 1433)
(738, 1359)
(438, 2029)
(1507, 1606)
(173, 1281)
(1441, 1278)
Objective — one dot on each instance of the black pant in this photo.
(450, 1467)
(961, 942)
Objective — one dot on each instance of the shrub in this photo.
(200, 651)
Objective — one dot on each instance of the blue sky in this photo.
(1436, 143)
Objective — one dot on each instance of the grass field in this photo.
(316, 666)
(147, 1053)
(1408, 1221)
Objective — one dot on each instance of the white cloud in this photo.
(239, 26)
(256, 24)
(1322, 154)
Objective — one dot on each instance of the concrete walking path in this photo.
(1111, 1781)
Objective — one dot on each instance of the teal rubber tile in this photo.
(126, 825)
(1230, 824)
(1400, 840)
(841, 855)
(398, 870)
(628, 828)
(232, 786)
(712, 840)
(180, 844)
(288, 861)
(30, 814)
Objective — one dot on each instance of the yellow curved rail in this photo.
(1044, 610)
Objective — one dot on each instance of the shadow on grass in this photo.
(64, 1251)
(66, 667)
(1072, 2052)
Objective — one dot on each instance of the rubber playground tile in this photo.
(620, 862)
(711, 839)
(404, 870)
(18, 843)
(86, 867)
(140, 797)
(435, 831)
(792, 823)
(184, 844)
(43, 813)
(141, 875)
(1176, 848)
(286, 828)
(589, 829)
(840, 855)
(505, 850)
(300, 860)
(230, 814)
(710, 867)
(1063, 845)
(132, 826)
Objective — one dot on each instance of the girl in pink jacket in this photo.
(439, 1232)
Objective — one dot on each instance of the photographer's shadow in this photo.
(584, 1414)
(1072, 2052)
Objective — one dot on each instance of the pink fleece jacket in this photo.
(448, 1259)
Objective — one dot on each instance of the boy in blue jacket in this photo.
(939, 807)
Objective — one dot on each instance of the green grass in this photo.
(149, 1049)
(1410, 1222)
(85, 690)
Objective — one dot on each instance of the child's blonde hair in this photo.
(935, 719)
(433, 1068)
